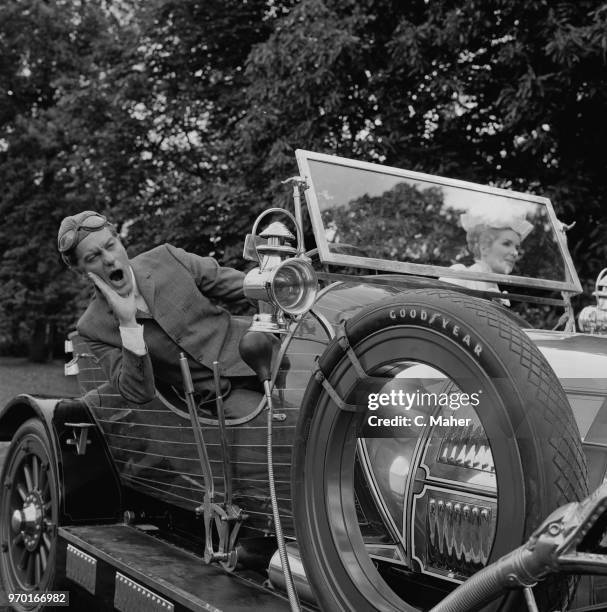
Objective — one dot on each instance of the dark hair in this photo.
(70, 258)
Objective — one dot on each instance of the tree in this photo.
(55, 102)
(193, 55)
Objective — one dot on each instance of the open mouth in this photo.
(116, 276)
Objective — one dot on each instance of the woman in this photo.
(495, 245)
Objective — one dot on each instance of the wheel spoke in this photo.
(28, 477)
(22, 492)
(24, 559)
(35, 472)
(30, 569)
(47, 541)
(42, 481)
(37, 568)
(43, 558)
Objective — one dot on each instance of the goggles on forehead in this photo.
(69, 239)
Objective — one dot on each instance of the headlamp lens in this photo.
(294, 286)
(288, 289)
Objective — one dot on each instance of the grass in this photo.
(18, 375)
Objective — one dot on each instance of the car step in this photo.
(132, 571)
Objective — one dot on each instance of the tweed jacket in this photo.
(177, 287)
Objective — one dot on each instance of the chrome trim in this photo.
(215, 422)
(389, 522)
(594, 444)
(326, 325)
(277, 578)
(412, 527)
(375, 552)
(417, 464)
(460, 486)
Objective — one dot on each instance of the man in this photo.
(148, 310)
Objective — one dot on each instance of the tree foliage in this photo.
(179, 118)
(55, 118)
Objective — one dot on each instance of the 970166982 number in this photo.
(56, 598)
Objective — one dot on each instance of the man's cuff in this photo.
(132, 339)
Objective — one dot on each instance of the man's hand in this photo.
(123, 307)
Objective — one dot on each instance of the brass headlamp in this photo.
(593, 319)
(285, 284)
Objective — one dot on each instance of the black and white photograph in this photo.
(303, 305)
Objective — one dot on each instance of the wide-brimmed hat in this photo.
(497, 220)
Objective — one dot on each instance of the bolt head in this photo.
(554, 529)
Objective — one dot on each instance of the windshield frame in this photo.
(571, 285)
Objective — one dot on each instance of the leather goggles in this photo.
(69, 238)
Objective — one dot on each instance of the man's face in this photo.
(103, 254)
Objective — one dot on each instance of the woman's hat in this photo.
(497, 220)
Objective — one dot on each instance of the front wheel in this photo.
(29, 514)
(394, 518)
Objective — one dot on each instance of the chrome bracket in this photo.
(299, 184)
(227, 519)
(569, 314)
(300, 181)
(79, 439)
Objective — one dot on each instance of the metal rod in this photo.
(301, 247)
(188, 387)
(530, 599)
(225, 455)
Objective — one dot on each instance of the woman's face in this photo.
(502, 253)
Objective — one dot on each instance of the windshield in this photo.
(388, 219)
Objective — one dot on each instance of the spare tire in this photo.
(535, 457)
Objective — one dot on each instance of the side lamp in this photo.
(593, 319)
(284, 284)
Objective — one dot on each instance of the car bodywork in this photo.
(126, 472)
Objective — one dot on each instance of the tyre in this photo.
(29, 514)
(395, 520)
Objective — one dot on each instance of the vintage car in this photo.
(415, 428)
